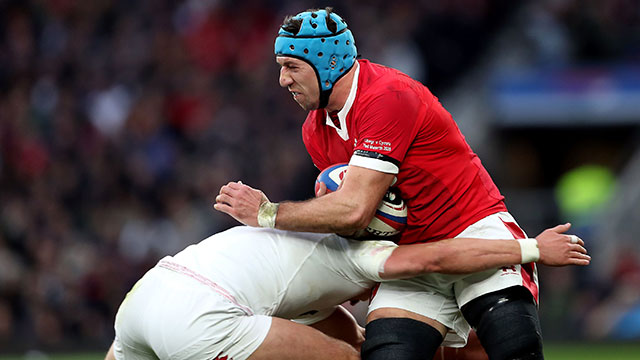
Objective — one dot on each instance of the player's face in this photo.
(300, 79)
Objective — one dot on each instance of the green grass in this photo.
(578, 351)
(39, 356)
(586, 351)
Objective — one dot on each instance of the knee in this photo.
(507, 325)
(400, 338)
(525, 345)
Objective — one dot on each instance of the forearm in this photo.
(451, 256)
(459, 256)
(329, 213)
(345, 211)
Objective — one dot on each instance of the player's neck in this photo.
(341, 91)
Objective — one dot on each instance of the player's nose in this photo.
(285, 79)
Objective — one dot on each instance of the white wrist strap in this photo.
(529, 250)
(267, 214)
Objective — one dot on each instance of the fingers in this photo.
(580, 262)
(574, 239)
(322, 189)
(577, 248)
(576, 255)
(225, 208)
(233, 186)
(561, 228)
(579, 259)
(223, 199)
(236, 185)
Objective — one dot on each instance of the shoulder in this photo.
(381, 83)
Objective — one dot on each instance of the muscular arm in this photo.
(344, 211)
(460, 255)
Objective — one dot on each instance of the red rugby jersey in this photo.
(392, 123)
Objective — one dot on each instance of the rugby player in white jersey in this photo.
(231, 296)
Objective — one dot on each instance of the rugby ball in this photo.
(331, 177)
(391, 215)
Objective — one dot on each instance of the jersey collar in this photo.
(342, 114)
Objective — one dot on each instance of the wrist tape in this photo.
(529, 250)
(267, 214)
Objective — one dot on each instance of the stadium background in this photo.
(120, 120)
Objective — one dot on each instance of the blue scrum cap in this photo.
(330, 53)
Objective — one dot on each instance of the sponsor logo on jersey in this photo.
(507, 270)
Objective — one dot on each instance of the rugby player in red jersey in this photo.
(393, 132)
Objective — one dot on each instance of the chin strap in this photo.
(324, 98)
(325, 94)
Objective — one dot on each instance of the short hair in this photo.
(292, 24)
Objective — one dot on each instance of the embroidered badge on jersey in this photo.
(377, 145)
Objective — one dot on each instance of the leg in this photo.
(472, 351)
(408, 319)
(342, 325)
(507, 324)
(289, 340)
(110, 355)
(400, 334)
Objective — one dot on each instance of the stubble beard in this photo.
(308, 106)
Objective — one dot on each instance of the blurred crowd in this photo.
(120, 120)
(586, 39)
(565, 32)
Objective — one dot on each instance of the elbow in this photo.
(431, 265)
(422, 265)
(350, 214)
(358, 219)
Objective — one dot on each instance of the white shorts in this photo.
(440, 296)
(175, 314)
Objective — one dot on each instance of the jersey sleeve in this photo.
(369, 256)
(386, 129)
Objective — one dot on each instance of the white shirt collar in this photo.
(342, 114)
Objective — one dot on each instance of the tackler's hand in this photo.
(241, 202)
(559, 249)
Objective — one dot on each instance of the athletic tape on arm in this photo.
(267, 214)
(529, 250)
(372, 255)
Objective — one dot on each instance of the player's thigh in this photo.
(497, 226)
(388, 312)
(289, 340)
(428, 299)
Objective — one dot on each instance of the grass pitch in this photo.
(576, 351)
